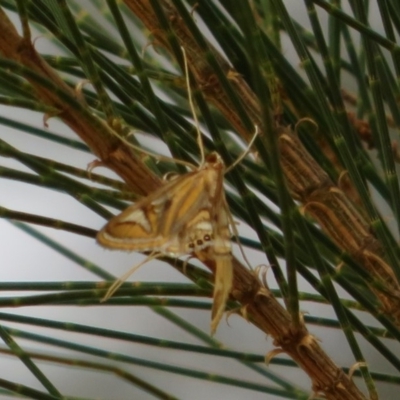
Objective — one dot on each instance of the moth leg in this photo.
(235, 233)
(117, 284)
(185, 263)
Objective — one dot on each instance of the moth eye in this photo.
(207, 238)
(191, 245)
(199, 242)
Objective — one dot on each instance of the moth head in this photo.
(214, 161)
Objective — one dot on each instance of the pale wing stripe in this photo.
(138, 217)
(173, 222)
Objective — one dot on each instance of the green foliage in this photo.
(317, 201)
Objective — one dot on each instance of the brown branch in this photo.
(262, 307)
(309, 183)
(305, 178)
(337, 217)
(103, 142)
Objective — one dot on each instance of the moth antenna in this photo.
(117, 284)
(236, 235)
(185, 263)
(189, 90)
(247, 151)
(157, 157)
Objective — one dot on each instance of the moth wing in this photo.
(157, 222)
(179, 218)
(188, 218)
(137, 228)
(211, 220)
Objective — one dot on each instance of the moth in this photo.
(188, 214)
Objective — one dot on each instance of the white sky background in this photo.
(26, 259)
